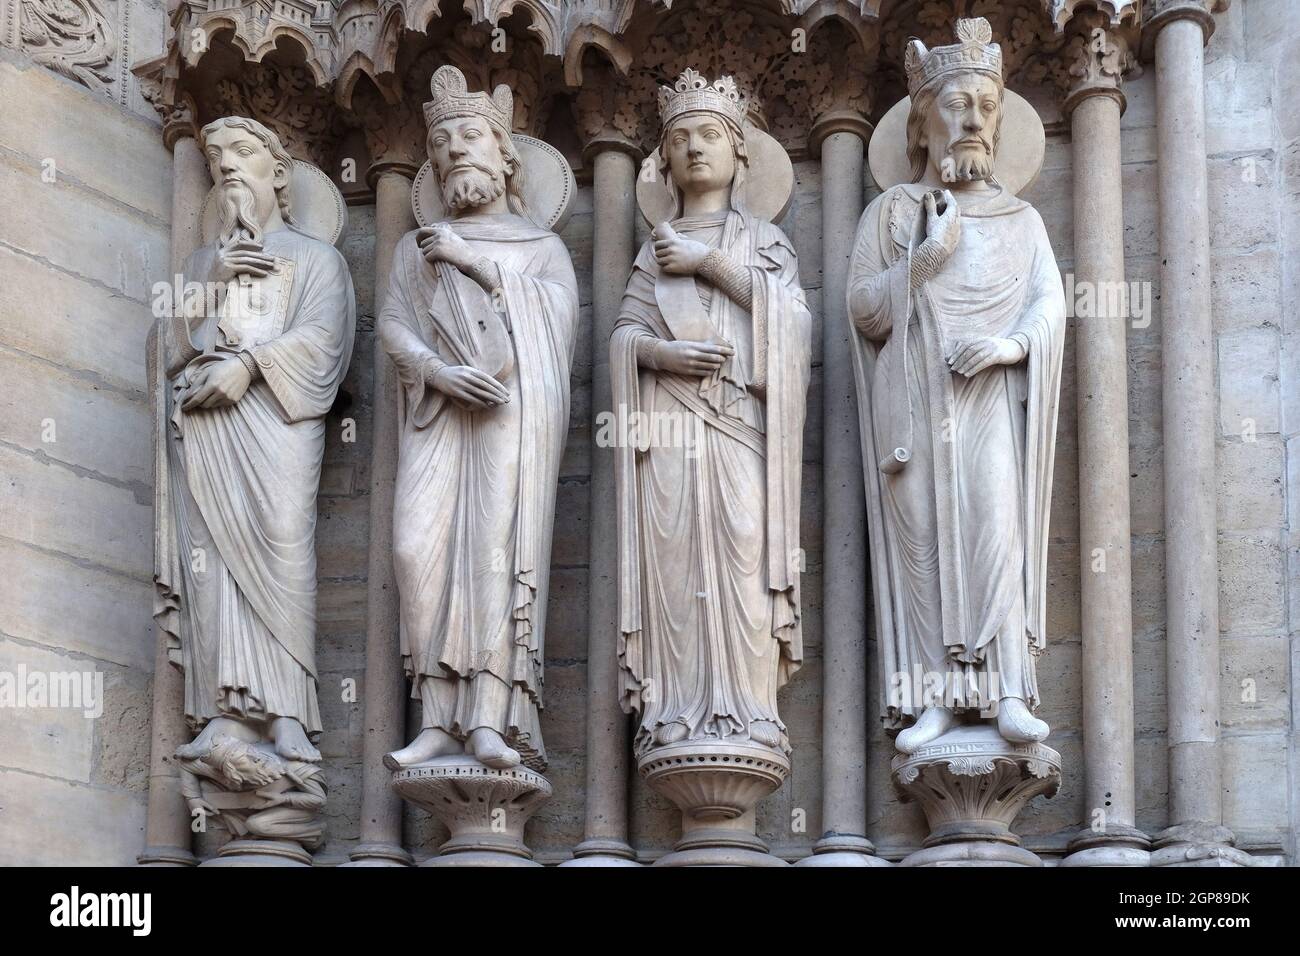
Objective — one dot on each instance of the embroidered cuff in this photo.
(732, 279)
(250, 363)
(484, 271)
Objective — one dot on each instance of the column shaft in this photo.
(167, 827)
(844, 558)
(385, 684)
(1191, 541)
(1104, 538)
(613, 249)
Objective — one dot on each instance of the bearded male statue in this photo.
(480, 321)
(959, 320)
(251, 371)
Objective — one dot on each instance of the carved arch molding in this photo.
(342, 81)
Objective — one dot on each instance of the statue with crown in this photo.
(480, 321)
(709, 364)
(958, 314)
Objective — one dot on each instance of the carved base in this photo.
(378, 854)
(716, 784)
(260, 853)
(602, 853)
(1115, 846)
(485, 809)
(166, 856)
(841, 849)
(1199, 845)
(972, 783)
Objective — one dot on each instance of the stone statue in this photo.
(712, 353)
(480, 321)
(253, 361)
(960, 317)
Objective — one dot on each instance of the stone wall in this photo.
(85, 188)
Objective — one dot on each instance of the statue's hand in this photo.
(243, 257)
(691, 358)
(469, 386)
(970, 356)
(944, 228)
(216, 384)
(677, 254)
(440, 243)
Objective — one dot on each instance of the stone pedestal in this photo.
(971, 784)
(260, 853)
(716, 784)
(485, 809)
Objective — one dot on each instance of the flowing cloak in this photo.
(474, 501)
(235, 488)
(708, 528)
(958, 471)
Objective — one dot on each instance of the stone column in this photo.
(1177, 30)
(841, 138)
(1093, 105)
(385, 684)
(604, 843)
(167, 826)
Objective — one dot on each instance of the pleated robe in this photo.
(236, 540)
(958, 470)
(709, 559)
(474, 502)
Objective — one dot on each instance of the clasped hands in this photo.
(215, 384)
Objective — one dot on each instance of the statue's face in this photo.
(467, 155)
(700, 154)
(245, 171)
(960, 126)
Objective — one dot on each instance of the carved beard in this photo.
(238, 217)
(966, 162)
(466, 188)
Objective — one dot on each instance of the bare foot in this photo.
(429, 743)
(933, 724)
(765, 732)
(201, 744)
(1017, 724)
(670, 733)
(490, 750)
(291, 741)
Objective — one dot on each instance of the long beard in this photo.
(238, 215)
(472, 187)
(966, 163)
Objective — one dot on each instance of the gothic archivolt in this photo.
(586, 69)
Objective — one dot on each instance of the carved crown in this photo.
(451, 98)
(974, 51)
(692, 93)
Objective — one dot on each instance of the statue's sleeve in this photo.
(305, 365)
(1044, 314)
(872, 284)
(415, 359)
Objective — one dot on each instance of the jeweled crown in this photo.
(451, 98)
(975, 50)
(692, 93)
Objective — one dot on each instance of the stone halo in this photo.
(315, 202)
(1020, 149)
(549, 186)
(768, 187)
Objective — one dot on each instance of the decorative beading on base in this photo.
(485, 809)
(716, 784)
(972, 783)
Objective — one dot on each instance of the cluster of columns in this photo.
(1175, 37)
